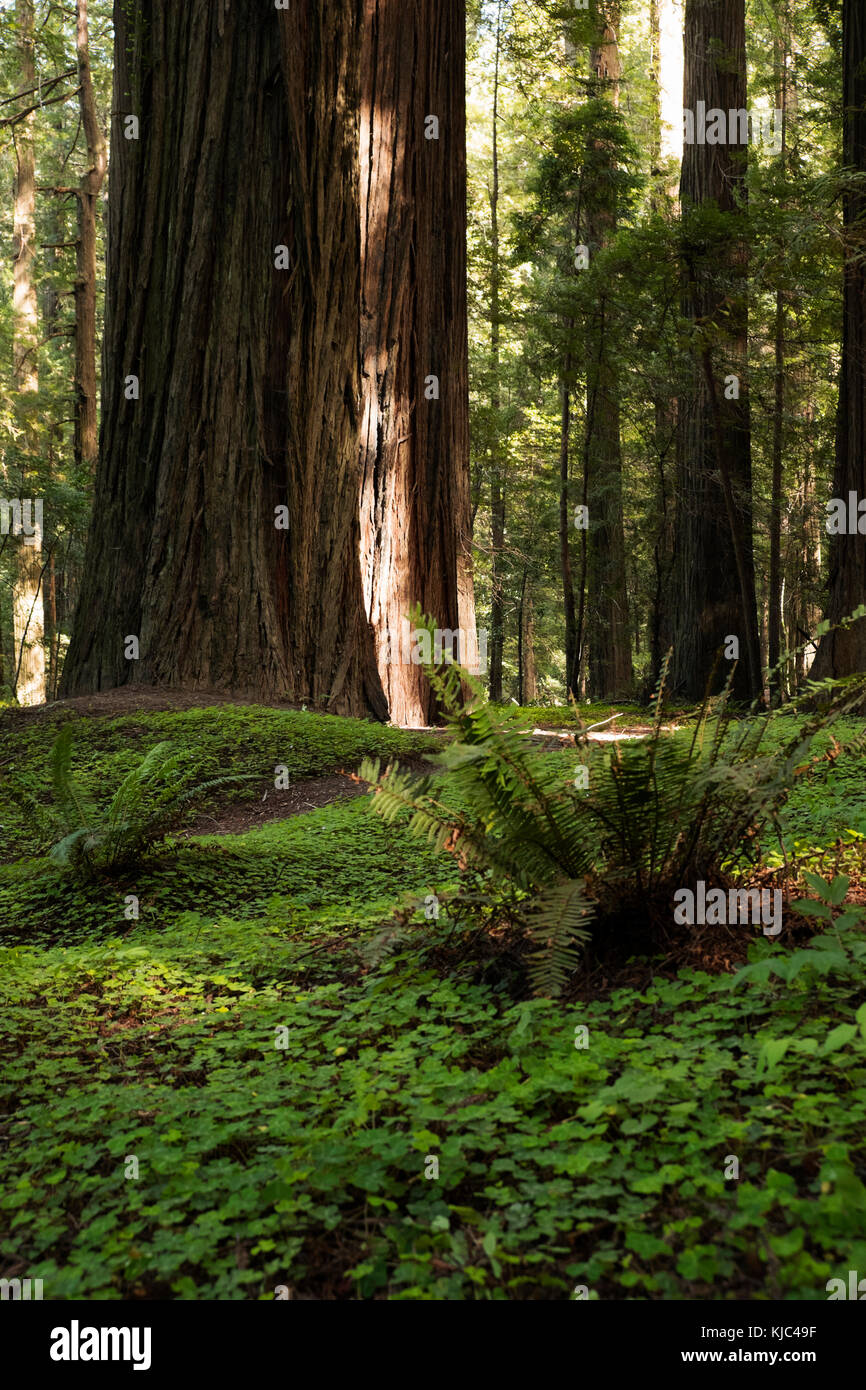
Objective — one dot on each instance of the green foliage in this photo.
(838, 950)
(283, 871)
(599, 1161)
(148, 803)
(659, 814)
(557, 929)
(516, 821)
(258, 1167)
(223, 740)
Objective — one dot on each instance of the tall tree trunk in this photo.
(497, 475)
(443, 331)
(574, 612)
(774, 643)
(415, 521)
(774, 583)
(51, 316)
(610, 668)
(527, 669)
(714, 582)
(666, 85)
(27, 602)
(52, 632)
(573, 626)
(85, 435)
(842, 653)
(230, 365)
(520, 607)
(804, 567)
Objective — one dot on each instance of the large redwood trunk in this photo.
(713, 592)
(27, 594)
(842, 653)
(609, 633)
(415, 523)
(247, 371)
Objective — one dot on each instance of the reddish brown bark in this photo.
(415, 528)
(248, 373)
(713, 589)
(609, 632)
(27, 597)
(86, 429)
(843, 652)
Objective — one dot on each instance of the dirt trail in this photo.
(133, 699)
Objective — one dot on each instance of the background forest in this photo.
(577, 370)
(329, 968)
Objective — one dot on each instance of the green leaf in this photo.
(808, 907)
(838, 889)
(850, 918)
(818, 885)
(645, 1244)
(838, 1037)
(772, 1052)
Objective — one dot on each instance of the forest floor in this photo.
(282, 1076)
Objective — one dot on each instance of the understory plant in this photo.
(839, 949)
(90, 841)
(632, 824)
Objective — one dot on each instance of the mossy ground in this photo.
(246, 1088)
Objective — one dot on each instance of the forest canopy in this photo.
(554, 332)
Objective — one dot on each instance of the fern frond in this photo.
(558, 927)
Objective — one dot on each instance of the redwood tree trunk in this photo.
(663, 193)
(527, 671)
(415, 522)
(609, 633)
(27, 597)
(775, 581)
(85, 436)
(843, 653)
(713, 576)
(573, 625)
(497, 473)
(248, 381)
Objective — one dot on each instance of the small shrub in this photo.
(147, 805)
(658, 814)
(838, 950)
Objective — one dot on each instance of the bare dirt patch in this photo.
(133, 699)
(273, 804)
(238, 818)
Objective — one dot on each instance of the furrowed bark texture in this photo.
(609, 635)
(86, 439)
(248, 373)
(713, 593)
(27, 594)
(415, 521)
(843, 653)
